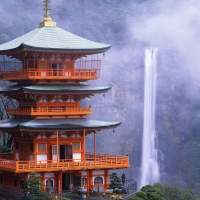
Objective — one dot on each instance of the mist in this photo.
(131, 26)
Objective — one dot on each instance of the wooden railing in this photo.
(49, 111)
(7, 156)
(95, 162)
(58, 74)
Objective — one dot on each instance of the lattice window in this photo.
(76, 146)
(41, 147)
(84, 181)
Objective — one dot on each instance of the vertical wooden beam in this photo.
(56, 181)
(95, 148)
(106, 179)
(43, 181)
(83, 146)
(34, 151)
(60, 183)
(57, 145)
(24, 61)
(91, 180)
(49, 150)
(88, 184)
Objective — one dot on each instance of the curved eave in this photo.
(56, 124)
(24, 89)
(24, 47)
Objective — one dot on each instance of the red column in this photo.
(106, 179)
(88, 184)
(89, 181)
(60, 183)
(95, 148)
(43, 181)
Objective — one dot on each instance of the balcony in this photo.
(50, 111)
(35, 74)
(97, 161)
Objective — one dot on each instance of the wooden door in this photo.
(54, 153)
(68, 152)
(43, 69)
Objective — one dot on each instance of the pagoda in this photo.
(46, 69)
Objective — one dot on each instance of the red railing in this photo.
(7, 156)
(49, 111)
(77, 74)
(100, 161)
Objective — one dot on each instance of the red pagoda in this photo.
(49, 128)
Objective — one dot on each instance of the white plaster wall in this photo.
(47, 175)
(31, 157)
(96, 172)
(83, 173)
(42, 158)
(17, 155)
(38, 174)
(77, 157)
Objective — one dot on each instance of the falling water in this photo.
(150, 168)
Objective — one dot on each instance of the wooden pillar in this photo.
(83, 146)
(60, 183)
(91, 179)
(89, 182)
(106, 179)
(34, 151)
(56, 181)
(57, 145)
(43, 181)
(48, 150)
(95, 148)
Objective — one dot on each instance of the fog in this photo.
(130, 26)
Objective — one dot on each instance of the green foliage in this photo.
(33, 186)
(148, 192)
(142, 195)
(172, 192)
(5, 149)
(115, 181)
(136, 198)
(189, 195)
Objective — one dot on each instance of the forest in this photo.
(130, 26)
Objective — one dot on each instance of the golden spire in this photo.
(47, 18)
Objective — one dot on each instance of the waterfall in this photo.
(149, 169)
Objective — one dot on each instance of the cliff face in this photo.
(130, 27)
(177, 114)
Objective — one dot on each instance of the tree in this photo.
(148, 192)
(34, 187)
(189, 195)
(115, 181)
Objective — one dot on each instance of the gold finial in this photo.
(47, 18)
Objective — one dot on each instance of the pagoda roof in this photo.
(55, 124)
(54, 88)
(53, 39)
